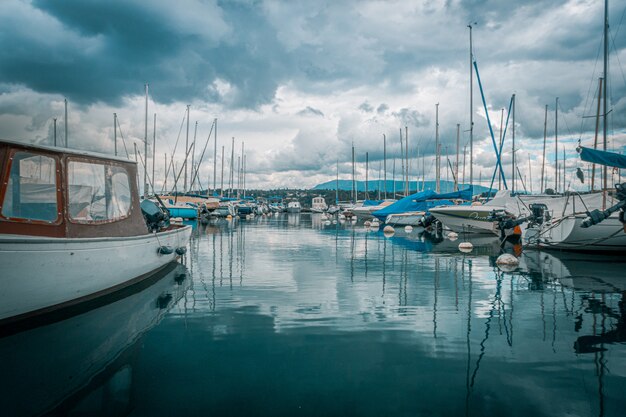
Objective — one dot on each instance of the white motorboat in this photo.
(364, 212)
(318, 205)
(72, 228)
(409, 218)
(294, 207)
(476, 218)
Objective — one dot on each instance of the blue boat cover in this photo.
(422, 201)
(611, 159)
(369, 203)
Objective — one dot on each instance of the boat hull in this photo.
(405, 219)
(41, 275)
(466, 220)
(567, 234)
(293, 209)
(184, 212)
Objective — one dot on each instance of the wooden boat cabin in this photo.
(58, 192)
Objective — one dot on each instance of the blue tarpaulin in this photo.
(368, 203)
(422, 201)
(610, 159)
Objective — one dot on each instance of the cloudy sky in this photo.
(301, 81)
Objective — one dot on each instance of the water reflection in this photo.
(311, 318)
(86, 362)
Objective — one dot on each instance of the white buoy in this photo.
(408, 228)
(327, 223)
(453, 236)
(342, 217)
(367, 223)
(375, 223)
(334, 221)
(466, 247)
(507, 261)
(389, 231)
(248, 217)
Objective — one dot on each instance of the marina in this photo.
(356, 208)
(286, 315)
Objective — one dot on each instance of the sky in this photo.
(301, 82)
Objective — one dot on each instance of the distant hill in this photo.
(346, 185)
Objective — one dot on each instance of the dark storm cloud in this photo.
(103, 50)
(310, 111)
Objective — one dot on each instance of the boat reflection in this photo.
(85, 362)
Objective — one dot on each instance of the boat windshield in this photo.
(31, 190)
(97, 192)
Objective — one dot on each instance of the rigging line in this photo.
(171, 164)
(591, 84)
(123, 140)
(202, 156)
(619, 25)
(619, 63)
(563, 118)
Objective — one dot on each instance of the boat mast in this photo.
(215, 157)
(437, 160)
(385, 164)
(456, 164)
(406, 148)
(186, 151)
(595, 141)
(114, 133)
(471, 130)
(55, 132)
(193, 162)
(402, 156)
(337, 185)
(65, 101)
(556, 146)
(604, 104)
(231, 180)
(153, 152)
(501, 123)
(393, 174)
(354, 195)
(222, 180)
(543, 161)
(513, 147)
(243, 169)
(367, 170)
(165, 167)
(145, 149)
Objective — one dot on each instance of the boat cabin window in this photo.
(97, 192)
(31, 189)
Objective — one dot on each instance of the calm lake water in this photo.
(288, 316)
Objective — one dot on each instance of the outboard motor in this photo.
(539, 214)
(156, 218)
(597, 216)
(427, 220)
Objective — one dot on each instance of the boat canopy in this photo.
(368, 203)
(422, 201)
(595, 156)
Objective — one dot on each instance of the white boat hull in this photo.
(566, 234)
(405, 219)
(43, 274)
(464, 220)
